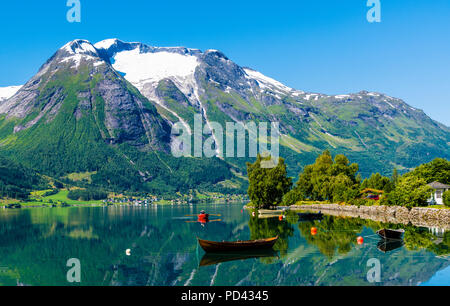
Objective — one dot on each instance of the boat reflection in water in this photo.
(215, 258)
(309, 216)
(389, 245)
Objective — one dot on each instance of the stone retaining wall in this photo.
(418, 216)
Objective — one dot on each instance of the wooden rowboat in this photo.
(390, 233)
(228, 246)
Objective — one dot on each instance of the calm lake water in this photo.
(36, 243)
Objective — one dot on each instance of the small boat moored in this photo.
(390, 233)
(228, 246)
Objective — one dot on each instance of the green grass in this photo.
(439, 206)
(61, 196)
(310, 202)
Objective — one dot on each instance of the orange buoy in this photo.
(360, 240)
(313, 231)
(280, 218)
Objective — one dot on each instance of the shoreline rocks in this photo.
(418, 216)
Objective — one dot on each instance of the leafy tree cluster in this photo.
(379, 182)
(436, 170)
(410, 191)
(267, 186)
(328, 180)
(336, 181)
(87, 195)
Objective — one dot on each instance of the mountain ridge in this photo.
(125, 96)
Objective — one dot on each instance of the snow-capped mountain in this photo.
(133, 92)
(76, 84)
(145, 66)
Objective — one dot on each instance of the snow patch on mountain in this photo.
(80, 46)
(105, 44)
(340, 97)
(390, 104)
(140, 67)
(373, 94)
(8, 92)
(265, 82)
(77, 50)
(146, 69)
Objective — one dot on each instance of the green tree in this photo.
(410, 192)
(267, 186)
(329, 180)
(292, 197)
(446, 198)
(379, 182)
(437, 170)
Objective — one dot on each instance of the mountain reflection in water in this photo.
(35, 245)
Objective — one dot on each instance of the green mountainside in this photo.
(17, 181)
(108, 109)
(375, 130)
(78, 114)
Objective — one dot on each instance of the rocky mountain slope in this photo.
(79, 114)
(108, 108)
(376, 130)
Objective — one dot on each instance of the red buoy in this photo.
(313, 231)
(360, 240)
(280, 218)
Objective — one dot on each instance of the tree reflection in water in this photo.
(334, 235)
(35, 245)
(272, 227)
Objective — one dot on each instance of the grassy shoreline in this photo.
(38, 199)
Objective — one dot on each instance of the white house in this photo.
(439, 190)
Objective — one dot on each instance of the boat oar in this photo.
(217, 220)
(218, 215)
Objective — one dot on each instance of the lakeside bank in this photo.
(417, 216)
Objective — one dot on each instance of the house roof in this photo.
(437, 185)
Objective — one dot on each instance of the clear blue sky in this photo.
(313, 45)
